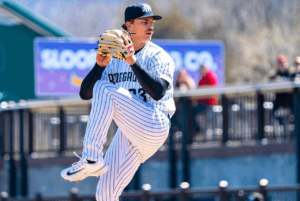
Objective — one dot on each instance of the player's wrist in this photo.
(131, 60)
(100, 65)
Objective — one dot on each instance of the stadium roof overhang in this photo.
(12, 14)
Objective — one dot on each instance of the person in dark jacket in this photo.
(282, 72)
(283, 103)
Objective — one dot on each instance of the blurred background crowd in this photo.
(282, 103)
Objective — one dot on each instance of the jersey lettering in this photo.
(129, 76)
(120, 80)
(116, 77)
(122, 77)
(111, 78)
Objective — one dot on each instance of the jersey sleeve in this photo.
(161, 65)
(106, 72)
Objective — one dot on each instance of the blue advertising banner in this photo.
(190, 55)
(61, 64)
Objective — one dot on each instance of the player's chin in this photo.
(148, 37)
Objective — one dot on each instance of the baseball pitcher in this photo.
(132, 84)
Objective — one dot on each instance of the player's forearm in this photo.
(87, 85)
(154, 86)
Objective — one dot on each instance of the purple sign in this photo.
(61, 64)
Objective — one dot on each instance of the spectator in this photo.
(184, 80)
(208, 79)
(283, 103)
(282, 71)
(204, 114)
(296, 76)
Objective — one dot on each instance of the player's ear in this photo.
(129, 24)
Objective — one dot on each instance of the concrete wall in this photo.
(279, 169)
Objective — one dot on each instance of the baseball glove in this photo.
(115, 43)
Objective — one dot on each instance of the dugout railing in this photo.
(243, 116)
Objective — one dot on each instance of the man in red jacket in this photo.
(204, 109)
(209, 79)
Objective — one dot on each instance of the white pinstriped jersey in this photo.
(154, 59)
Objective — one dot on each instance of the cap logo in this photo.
(146, 8)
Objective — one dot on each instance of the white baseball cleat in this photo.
(82, 169)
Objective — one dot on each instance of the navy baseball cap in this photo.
(138, 11)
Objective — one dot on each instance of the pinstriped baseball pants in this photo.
(142, 130)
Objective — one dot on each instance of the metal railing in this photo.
(184, 193)
(47, 130)
(243, 115)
